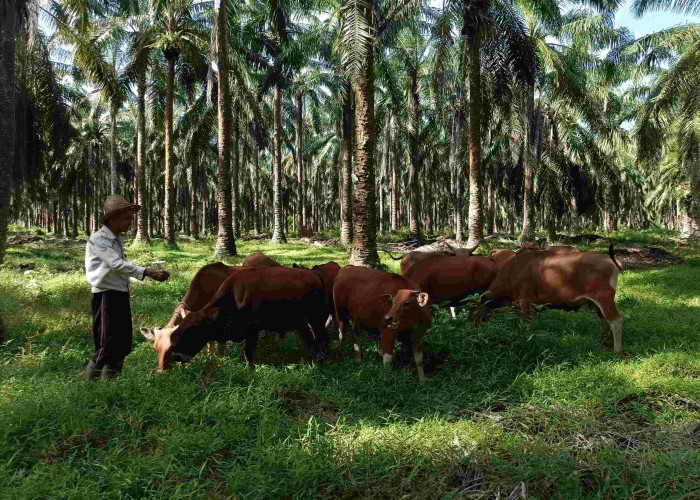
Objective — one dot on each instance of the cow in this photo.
(381, 303)
(410, 258)
(201, 290)
(562, 280)
(449, 280)
(260, 260)
(278, 299)
(501, 255)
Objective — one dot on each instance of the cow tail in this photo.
(611, 252)
(390, 255)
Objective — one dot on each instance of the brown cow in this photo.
(570, 279)
(201, 290)
(381, 303)
(276, 299)
(259, 260)
(449, 280)
(410, 258)
(502, 255)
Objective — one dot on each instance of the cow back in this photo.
(549, 277)
(206, 283)
(451, 278)
(260, 260)
(359, 290)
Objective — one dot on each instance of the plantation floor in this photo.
(541, 403)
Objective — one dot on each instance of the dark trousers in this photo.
(112, 329)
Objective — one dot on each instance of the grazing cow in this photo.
(410, 258)
(562, 280)
(201, 290)
(385, 304)
(260, 260)
(449, 280)
(276, 299)
(502, 255)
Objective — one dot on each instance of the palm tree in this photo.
(225, 243)
(12, 13)
(668, 122)
(360, 32)
(175, 33)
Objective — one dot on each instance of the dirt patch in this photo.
(258, 237)
(440, 244)
(645, 258)
(21, 240)
(468, 482)
(300, 405)
(68, 445)
(579, 238)
(432, 361)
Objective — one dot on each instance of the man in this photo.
(108, 271)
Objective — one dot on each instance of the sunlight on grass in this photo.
(542, 403)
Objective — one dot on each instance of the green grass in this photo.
(541, 403)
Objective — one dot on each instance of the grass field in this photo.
(541, 403)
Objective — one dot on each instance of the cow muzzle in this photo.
(389, 320)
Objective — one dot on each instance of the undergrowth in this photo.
(542, 403)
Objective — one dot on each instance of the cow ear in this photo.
(147, 333)
(421, 297)
(387, 298)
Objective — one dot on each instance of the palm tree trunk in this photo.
(256, 184)
(395, 178)
(414, 168)
(475, 215)
(8, 40)
(278, 209)
(192, 185)
(364, 243)
(141, 221)
(235, 169)
(113, 183)
(300, 161)
(530, 162)
(346, 196)
(169, 207)
(225, 242)
(455, 171)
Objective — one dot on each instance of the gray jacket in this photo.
(106, 267)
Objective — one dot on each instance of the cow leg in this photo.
(357, 344)
(322, 339)
(617, 328)
(343, 331)
(605, 301)
(307, 342)
(524, 309)
(418, 345)
(251, 342)
(216, 348)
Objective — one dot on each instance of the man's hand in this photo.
(157, 274)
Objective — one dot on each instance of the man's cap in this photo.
(115, 204)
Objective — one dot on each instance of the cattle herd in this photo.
(235, 303)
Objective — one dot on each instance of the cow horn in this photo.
(471, 250)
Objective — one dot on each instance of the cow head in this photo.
(164, 342)
(182, 341)
(402, 312)
(501, 255)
